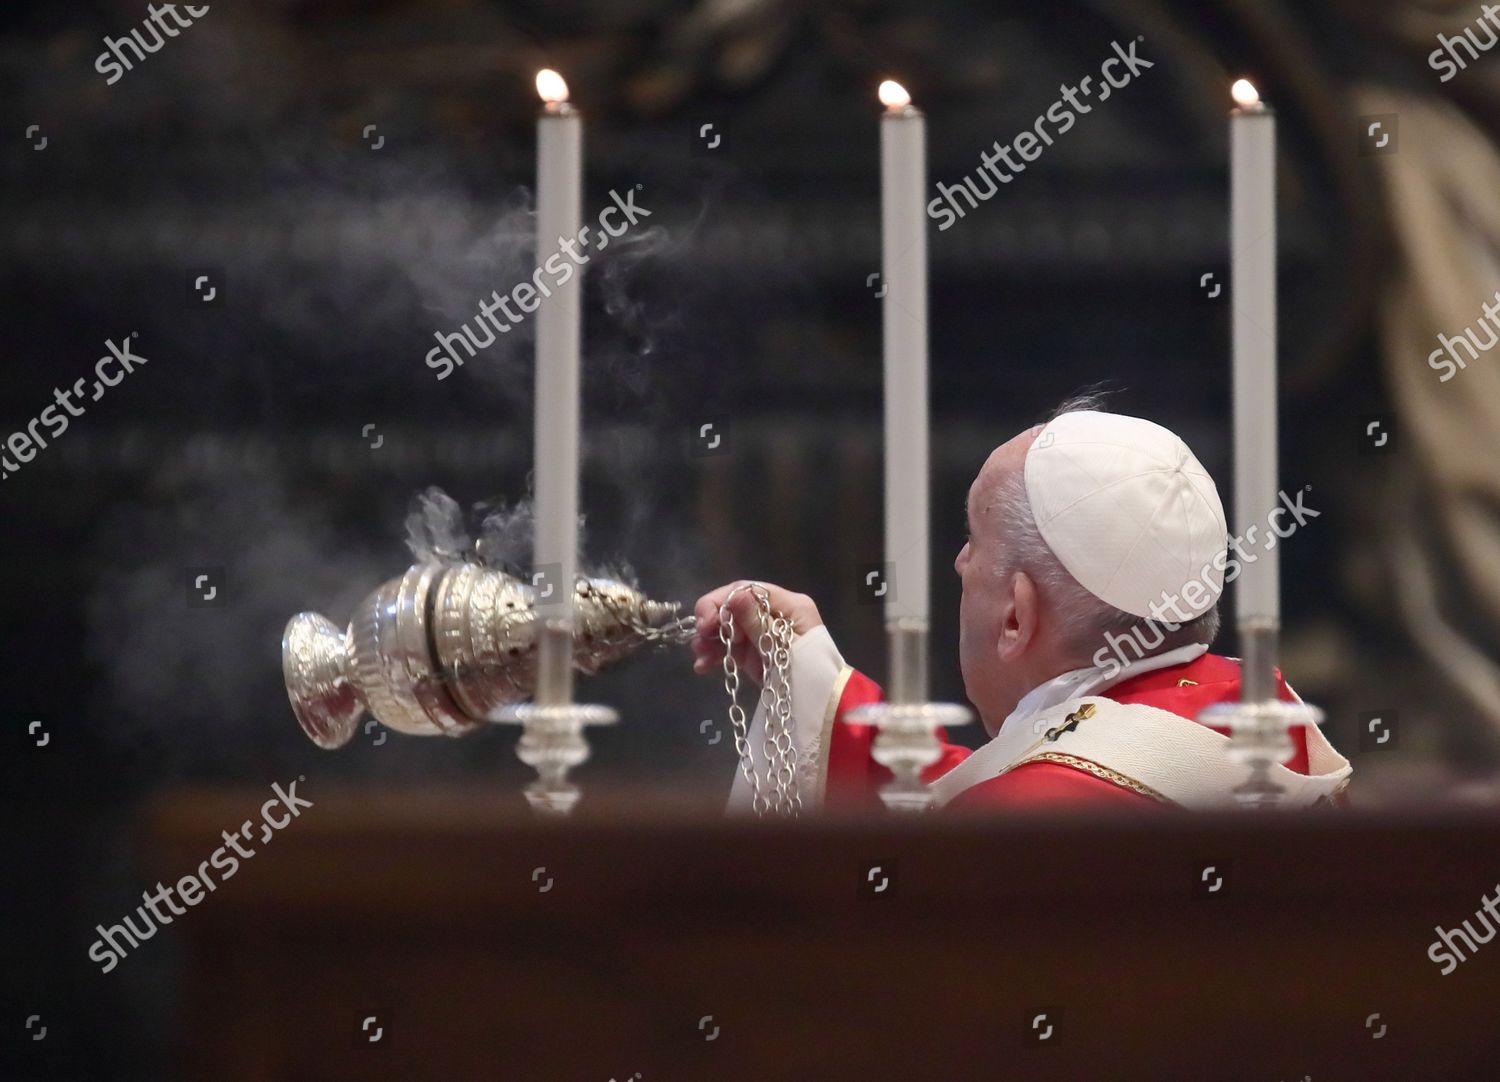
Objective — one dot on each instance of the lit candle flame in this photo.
(893, 95)
(1245, 94)
(551, 86)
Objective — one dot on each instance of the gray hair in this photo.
(1090, 622)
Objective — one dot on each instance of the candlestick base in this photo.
(906, 745)
(1260, 737)
(552, 743)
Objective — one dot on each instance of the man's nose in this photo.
(963, 558)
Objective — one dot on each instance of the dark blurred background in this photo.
(242, 151)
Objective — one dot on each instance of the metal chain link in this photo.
(777, 695)
(774, 645)
(737, 712)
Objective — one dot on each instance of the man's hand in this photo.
(708, 649)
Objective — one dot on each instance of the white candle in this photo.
(903, 181)
(559, 182)
(1252, 152)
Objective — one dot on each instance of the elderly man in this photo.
(1091, 578)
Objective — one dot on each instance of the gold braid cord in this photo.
(1088, 766)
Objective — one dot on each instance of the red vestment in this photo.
(854, 778)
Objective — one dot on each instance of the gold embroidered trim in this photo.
(1104, 773)
(825, 737)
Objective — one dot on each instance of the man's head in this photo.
(1126, 506)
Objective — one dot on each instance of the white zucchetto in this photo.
(1128, 510)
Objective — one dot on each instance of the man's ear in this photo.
(1018, 618)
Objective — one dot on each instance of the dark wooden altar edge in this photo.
(423, 902)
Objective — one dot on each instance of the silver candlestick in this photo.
(552, 740)
(1260, 724)
(907, 742)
